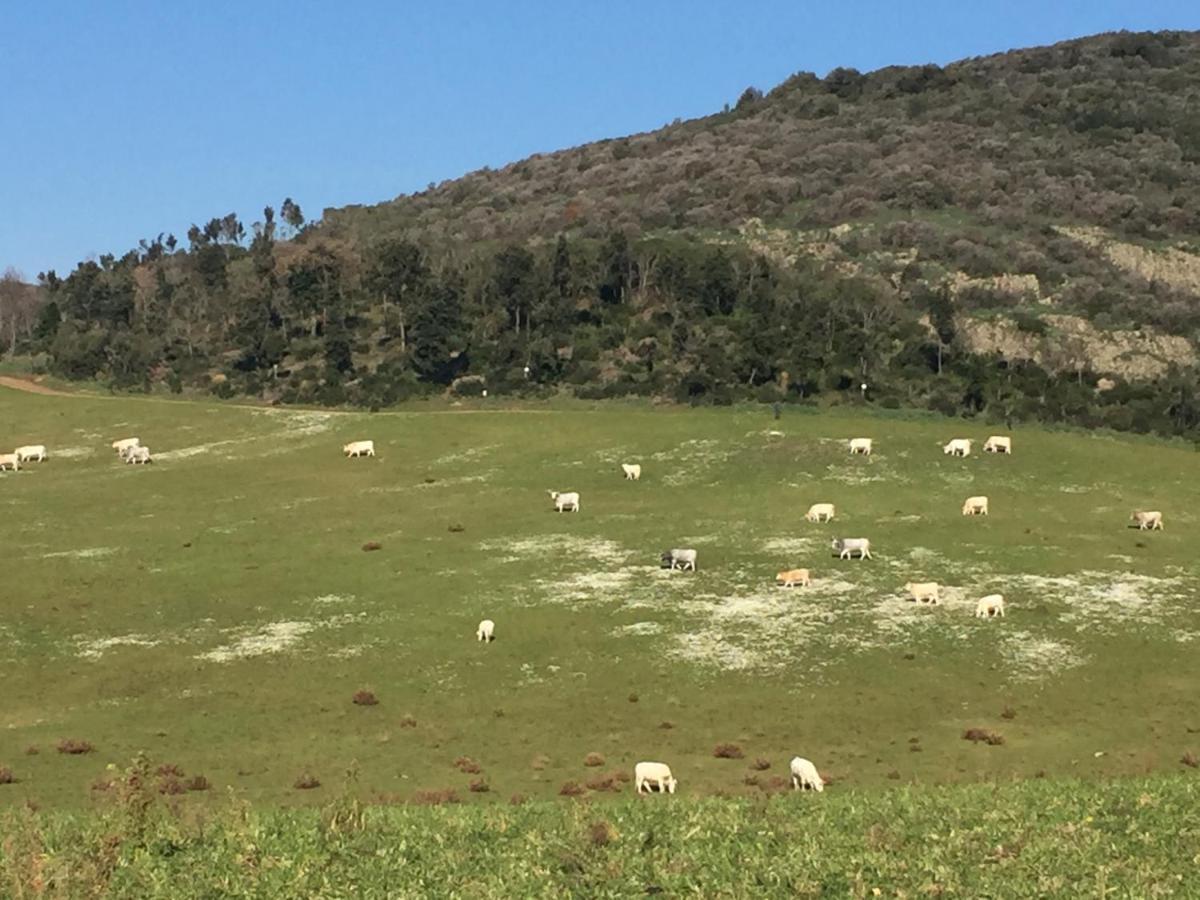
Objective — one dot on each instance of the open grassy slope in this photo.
(217, 610)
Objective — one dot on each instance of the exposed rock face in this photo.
(1171, 266)
(1072, 343)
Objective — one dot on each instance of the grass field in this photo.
(218, 611)
(1132, 838)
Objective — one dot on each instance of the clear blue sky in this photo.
(122, 119)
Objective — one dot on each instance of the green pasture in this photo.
(218, 611)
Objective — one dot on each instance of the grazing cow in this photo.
(679, 559)
(1151, 520)
(569, 500)
(486, 631)
(975, 506)
(989, 606)
(122, 446)
(9, 461)
(847, 547)
(793, 577)
(31, 453)
(138, 456)
(923, 591)
(820, 512)
(633, 471)
(805, 776)
(359, 448)
(958, 447)
(998, 444)
(653, 775)
(860, 445)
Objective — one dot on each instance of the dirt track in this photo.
(30, 387)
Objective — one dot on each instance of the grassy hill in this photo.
(218, 610)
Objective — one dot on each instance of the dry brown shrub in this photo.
(32, 750)
(728, 751)
(1009, 713)
(197, 783)
(1189, 759)
(7, 776)
(74, 746)
(666, 725)
(975, 735)
(408, 722)
(594, 759)
(372, 545)
(893, 775)
(622, 776)
(751, 780)
(774, 785)
(540, 762)
(436, 798)
(633, 698)
(479, 786)
(761, 764)
(467, 766)
(364, 698)
(571, 789)
(169, 769)
(306, 782)
(601, 834)
(455, 528)
(171, 786)
(608, 782)
(516, 799)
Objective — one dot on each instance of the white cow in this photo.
(1148, 520)
(805, 776)
(31, 453)
(122, 446)
(860, 445)
(633, 471)
(569, 500)
(820, 512)
(924, 591)
(647, 775)
(680, 559)
(975, 506)
(998, 444)
(989, 606)
(793, 577)
(138, 456)
(9, 461)
(359, 448)
(486, 631)
(847, 547)
(958, 447)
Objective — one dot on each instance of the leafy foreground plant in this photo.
(1036, 838)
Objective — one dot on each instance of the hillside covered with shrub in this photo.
(1016, 236)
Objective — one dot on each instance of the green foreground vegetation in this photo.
(1134, 838)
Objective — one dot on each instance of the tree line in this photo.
(314, 319)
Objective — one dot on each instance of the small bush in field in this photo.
(197, 783)
(1009, 713)
(728, 751)
(479, 786)
(306, 782)
(467, 766)
(975, 735)
(169, 769)
(172, 786)
(1189, 759)
(571, 789)
(633, 698)
(74, 746)
(32, 750)
(516, 800)
(665, 725)
(609, 782)
(761, 764)
(601, 834)
(364, 698)
(6, 775)
(594, 759)
(408, 722)
(372, 545)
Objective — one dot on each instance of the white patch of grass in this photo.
(641, 628)
(85, 553)
(94, 648)
(334, 598)
(565, 546)
(690, 460)
(274, 637)
(71, 452)
(1034, 657)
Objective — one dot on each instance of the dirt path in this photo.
(30, 387)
